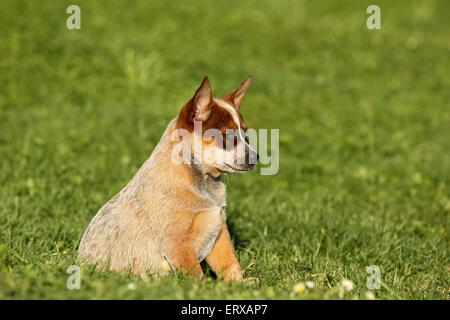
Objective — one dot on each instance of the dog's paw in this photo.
(234, 273)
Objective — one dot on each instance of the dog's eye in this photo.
(229, 135)
(230, 139)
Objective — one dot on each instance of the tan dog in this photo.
(172, 215)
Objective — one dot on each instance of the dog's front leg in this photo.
(222, 258)
(183, 257)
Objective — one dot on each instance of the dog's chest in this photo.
(206, 229)
(208, 222)
(214, 193)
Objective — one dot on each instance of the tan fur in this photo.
(167, 215)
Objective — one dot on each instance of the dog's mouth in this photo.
(238, 169)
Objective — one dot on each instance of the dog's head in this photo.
(217, 130)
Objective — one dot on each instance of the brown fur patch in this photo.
(220, 118)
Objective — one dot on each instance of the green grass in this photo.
(364, 139)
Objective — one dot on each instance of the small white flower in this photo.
(131, 286)
(370, 295)
(347, 285)
(310, 284)
(299, 288)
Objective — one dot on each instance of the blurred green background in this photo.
(364, 139)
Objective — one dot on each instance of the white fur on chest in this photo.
(209, 222)
(206, 238)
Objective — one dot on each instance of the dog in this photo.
(171, 215)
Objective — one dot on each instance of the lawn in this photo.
(363, 115)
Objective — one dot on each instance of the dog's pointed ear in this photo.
(201, 102)
(237, 95)
(198, 108)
